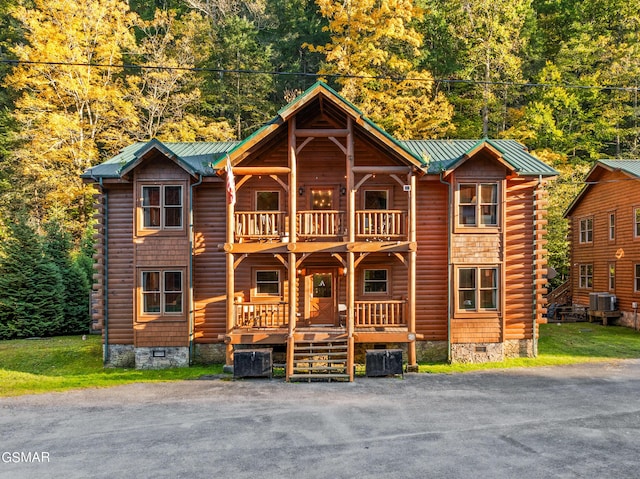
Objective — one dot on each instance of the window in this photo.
(636, 222)
(586, 276)
(612, 276)
(477, 289)
(375, 281)
(162, 207)
(268, 283)
(586, 230)
(636, 278)
(267, 201)
(321, 199)
(478, 204)
(162, 292)
(612, 226)
(376, 200)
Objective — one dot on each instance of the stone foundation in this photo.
(120, 356)
(162, 357)
(477, 352)
(432, 351)
(492, 352)
(519, 348)
(210, 353)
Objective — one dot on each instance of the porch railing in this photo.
(380, 313)
(261, 315)
(259, 224)
(320, 223)
(380, 223)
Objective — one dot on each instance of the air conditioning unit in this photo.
(606, 302)
(593, 301)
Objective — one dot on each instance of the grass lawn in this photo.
(566, 343)
(30, 366)
(62, 363)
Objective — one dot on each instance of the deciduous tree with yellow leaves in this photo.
(373, 53)
(74, 106)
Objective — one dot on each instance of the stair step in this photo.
(319, 368)
(297, 377)
(320, 360)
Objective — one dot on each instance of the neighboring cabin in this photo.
(605, 240)
(332, 233)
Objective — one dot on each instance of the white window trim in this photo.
(585, 234)
(584, 276)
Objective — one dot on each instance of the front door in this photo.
(321, 302)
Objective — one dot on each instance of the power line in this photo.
(222, 71)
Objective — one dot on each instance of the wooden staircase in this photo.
(320, 360)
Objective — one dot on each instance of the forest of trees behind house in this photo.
(80, 80)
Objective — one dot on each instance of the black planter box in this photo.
(252, 363)
(384, 362)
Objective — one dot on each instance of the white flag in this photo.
(231, 184)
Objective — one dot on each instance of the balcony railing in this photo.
(369, 224)
(321, 223)
(380, 313)
(261, 315)
(259, 224)
(380, 223)
(252, 315)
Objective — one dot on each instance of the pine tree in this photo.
(31, 288)
(75, 299)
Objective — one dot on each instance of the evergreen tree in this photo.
(31, 288)
(75, 298)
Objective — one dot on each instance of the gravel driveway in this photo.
(565, 422)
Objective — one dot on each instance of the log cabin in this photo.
(604, 233)
(319, 232)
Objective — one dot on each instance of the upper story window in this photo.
(478, 204)
(267, 201)
(586, 230)
(321, 199)
(162, 207)
(478, 289)
(162, 292)
(375, 281)
(376, 200)
(636, 222)
(612, 226)
(267, 283)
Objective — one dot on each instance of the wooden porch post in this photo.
(293, 273)
(351, 215)
(411, 353)
(231, 284)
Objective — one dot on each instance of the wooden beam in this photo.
(321, 132)
(303, 144)
(382, 170)
(261, 170)
(340, 145)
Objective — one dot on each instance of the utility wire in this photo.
(222, 71)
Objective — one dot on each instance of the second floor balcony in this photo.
(330, 225)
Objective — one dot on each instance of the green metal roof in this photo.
(631, 167)
(198, 156)
(443, 155)
(432, 156)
